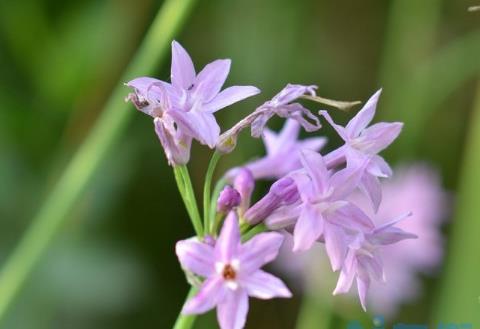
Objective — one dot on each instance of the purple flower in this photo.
(363, 261)
(244, 183)
(323, 211)
(282, 192)
(191, 99)
(283, 151)
(418, 189)
(279, 105)
(362, 142)
(232, 273)
(228, 199)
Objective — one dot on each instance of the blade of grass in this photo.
(459, 295)
(87, 160)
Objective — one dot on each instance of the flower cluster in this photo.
(309, 198)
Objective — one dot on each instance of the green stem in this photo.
(213, 205)
(250, 233)
(77, 176)
(207, 189)
(183, 178)
(186, 321)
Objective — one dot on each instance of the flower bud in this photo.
(228, 199)
(284, 191)
(244, 183)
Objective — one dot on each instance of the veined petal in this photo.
(379, 136)
(316, 169)
(345, 181)
(361, 120)
(379, 167)
(347, 275)
(370, 185)
(211, 79)
(183, 71)
(388, 233)
(352, 217)
(229, 239)
(211, 292)
(258, 251)
(335, 245)
(232, 311)
(196, 256)
(363, 283)
(283, 217)
(229, 96)
(208, 130)
(263, 285)
(308, 228)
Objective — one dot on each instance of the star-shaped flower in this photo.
(232, 273)
(191, 99)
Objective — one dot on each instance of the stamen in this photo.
(229, 272)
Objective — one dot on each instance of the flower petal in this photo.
(259, 250)
(229, 239)
(361, 120)
(211, 292)
(362, 286)
(308, 229)
(208, 130)
(263, 285)
(229, 96)
(347, 275)
(339, 129)
(370, 185)
(352, 217)
(316, 169)
(335, 245)
(377, 137)
(182, 71)
(283, 217)
(232, 311)
(211, 79)
(196, 256)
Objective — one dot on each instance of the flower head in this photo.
(228, 199)
(192, 98)
(232, 273)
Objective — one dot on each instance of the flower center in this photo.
(229, 272)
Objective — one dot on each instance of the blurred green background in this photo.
(112, 265)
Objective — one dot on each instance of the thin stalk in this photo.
(78, 174)
(182, 188)
(254, 231)
(186, 321)
(190, 200)
(213, 205)
(207, 189)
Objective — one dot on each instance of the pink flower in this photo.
(232, 273)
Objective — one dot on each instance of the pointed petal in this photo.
(370, 185)
(388, 233)
(289, 133)
(259, 250)
(345, 181)
(361, 120)
(379, 136)
(335, 245)
(209, 294)
(362, 286)
(316, 169)
(211, 79)
(229, 239)
(263, 285)
(308, 229)
(232, 311)
(229, 96)
(339, 129)
(379, 167)
(270, 140)
(347, 275)
(196, 256)
(183, 71)
(208, 130)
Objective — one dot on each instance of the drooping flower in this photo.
(363, 261)
(281, 105)
(190, 100)
(416, 188)
(365, 142)
(232, 273)
(283, 151)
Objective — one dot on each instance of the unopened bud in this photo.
(228, 199)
